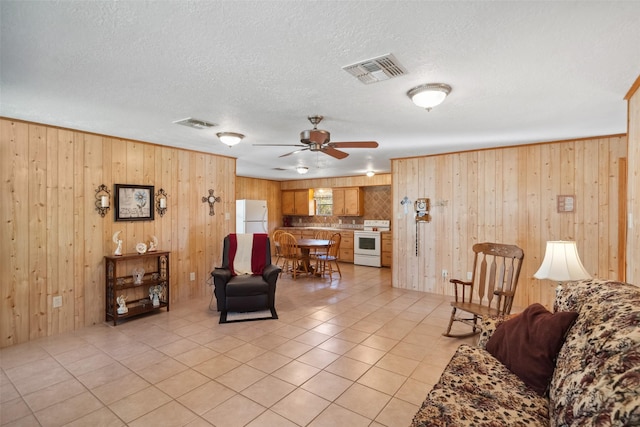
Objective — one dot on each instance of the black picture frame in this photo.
(134, 202)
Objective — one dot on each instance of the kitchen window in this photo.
(324, 201)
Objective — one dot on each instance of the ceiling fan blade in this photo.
(354, 144)
(334, 153)
(294, 152)
(278, 145)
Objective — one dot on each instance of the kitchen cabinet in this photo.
(120, 280)
(386, 246)
(346, 246)
(298, 202)
(348, 201)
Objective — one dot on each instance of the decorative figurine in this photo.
(116, 239)
(154, 295)
(153, 244)
(138, 275)
(122, 304)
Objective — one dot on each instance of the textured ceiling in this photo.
(520, 71)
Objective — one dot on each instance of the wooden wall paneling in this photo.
(14, 314)
(56, 148)
(633, 186)
(93, 253)
(443, 245)
(548, 227)
(61, 184)
(197, 245)
(457, 206)
(74, 291)
(400, 226)
(606, 240)
(618, 192)
(567, 160)
(37, 240)
(508, 176)
(350, 181)
(526, 181)
(57, 240)
(473, 206)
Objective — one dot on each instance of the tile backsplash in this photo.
(377, 205)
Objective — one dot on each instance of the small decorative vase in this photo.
(138, 275)
(156, 300)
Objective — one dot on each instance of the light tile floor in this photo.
(353, 351)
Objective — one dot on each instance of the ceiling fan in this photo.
(319, 140)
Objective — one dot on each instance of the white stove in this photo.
(367, 245)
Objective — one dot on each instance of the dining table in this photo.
(306, 245)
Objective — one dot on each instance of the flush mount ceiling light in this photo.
(230, 138)
(302, 170)
(370, 173)
(429, 95)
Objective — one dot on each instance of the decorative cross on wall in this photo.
(211, 200)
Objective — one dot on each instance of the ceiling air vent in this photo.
(374, 70)
(195, 123)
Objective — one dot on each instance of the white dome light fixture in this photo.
(370, 173)
(302, 170)
(230, 138)
(429, 95)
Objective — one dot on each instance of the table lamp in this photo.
(561, 263)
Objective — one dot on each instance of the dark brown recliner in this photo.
(245, 293)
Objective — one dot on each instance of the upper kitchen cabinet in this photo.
(348, 201)
(298, 202)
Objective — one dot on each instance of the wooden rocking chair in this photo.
(496, 268)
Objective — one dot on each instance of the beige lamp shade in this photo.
(561, 263)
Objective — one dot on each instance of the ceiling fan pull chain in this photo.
(417, 236)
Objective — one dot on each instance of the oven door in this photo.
(366, 249)
(367, 243)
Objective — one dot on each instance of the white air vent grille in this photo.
(373, 70)
(195, 123)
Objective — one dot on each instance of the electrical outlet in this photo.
(339, 221)
(469, 275)
(445, 273)
(227, 216)
(353, 221)
(192, 276)
(57, 301)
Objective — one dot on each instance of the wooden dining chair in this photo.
(321, 235)
(276, 245)
(326, 262)
(496, 269)
(291, 255)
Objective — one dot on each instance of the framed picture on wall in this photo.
(134, 202)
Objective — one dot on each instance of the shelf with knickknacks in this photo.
(136, 283)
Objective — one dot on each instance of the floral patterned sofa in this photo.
(596, 380)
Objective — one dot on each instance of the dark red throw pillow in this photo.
(528, 344)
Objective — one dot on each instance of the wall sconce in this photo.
(103, 200)
(161, 202)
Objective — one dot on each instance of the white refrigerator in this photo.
(252, 216)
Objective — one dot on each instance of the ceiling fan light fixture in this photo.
(302, 170)
(429, 95)
(230, 138)
(370, 173)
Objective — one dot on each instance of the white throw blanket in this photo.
(242, 260)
